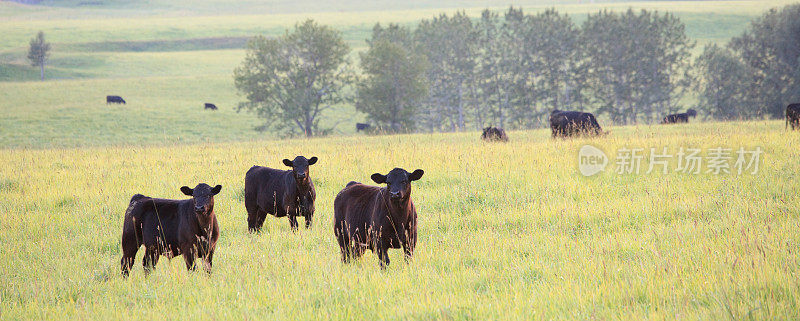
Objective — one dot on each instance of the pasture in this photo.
(507, 231)
(166, 62)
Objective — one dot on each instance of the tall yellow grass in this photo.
(507, 231)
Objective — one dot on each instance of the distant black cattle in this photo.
(377, 218)
(171, 228)
(572, 123)
(210, 106)
(494, 134)
(115, 100)
(280, 193)
(362, 126)
(680, 117)
(793, 116)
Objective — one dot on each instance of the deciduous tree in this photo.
(39, 52)
(290, 80)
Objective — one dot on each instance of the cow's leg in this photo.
(262, 216)
(383, 254)
(345, 245)
(255, 221)
(309, 218)
(209, 258)
(206, 255)
(252, 220)
(130, 245)
(293, 222)
(255, 215)
(189, 255)
(151, 255)
(408, 247)
(346, 252)
(127, 263)
(357, 250)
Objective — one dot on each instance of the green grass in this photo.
(159, 110)
(163, 60)
(507, 231)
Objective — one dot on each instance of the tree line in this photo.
(511, 69)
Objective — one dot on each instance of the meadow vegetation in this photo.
(136, 51)
(507, 231)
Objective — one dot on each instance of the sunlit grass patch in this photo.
(506, 231)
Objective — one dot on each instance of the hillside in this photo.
(166, 62)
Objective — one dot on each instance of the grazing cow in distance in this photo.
(573, 123)
(377, 218)
(793, 116)
(494, 134)
(210, 106)
(280, 193)
(362, 126)
(115, 100)
(171, 228)
(680, 117)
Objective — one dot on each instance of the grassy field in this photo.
(507, 231)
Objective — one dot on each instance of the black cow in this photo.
(171, 228)
(115, 100)
(280, 193)
(210, 106)
(378, 218)
(793, 116)
(494, 134)
(572, 123)
(362, 126)
(680, 117)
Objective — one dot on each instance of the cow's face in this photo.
(203, 196)
(300, 168)
(398, 183)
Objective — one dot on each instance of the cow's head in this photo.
(398, 183)
(691, 113)
(300, 169)
(203, 196)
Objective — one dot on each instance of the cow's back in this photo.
(265, 187)
(160, 220)
(793, 109)
(561, 119)
(353, 208)
(593, 122)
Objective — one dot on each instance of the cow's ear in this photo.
(288, 163)
(312, 160)
(417, 174)
(216, 189)
(187, 191)
(378, 178)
